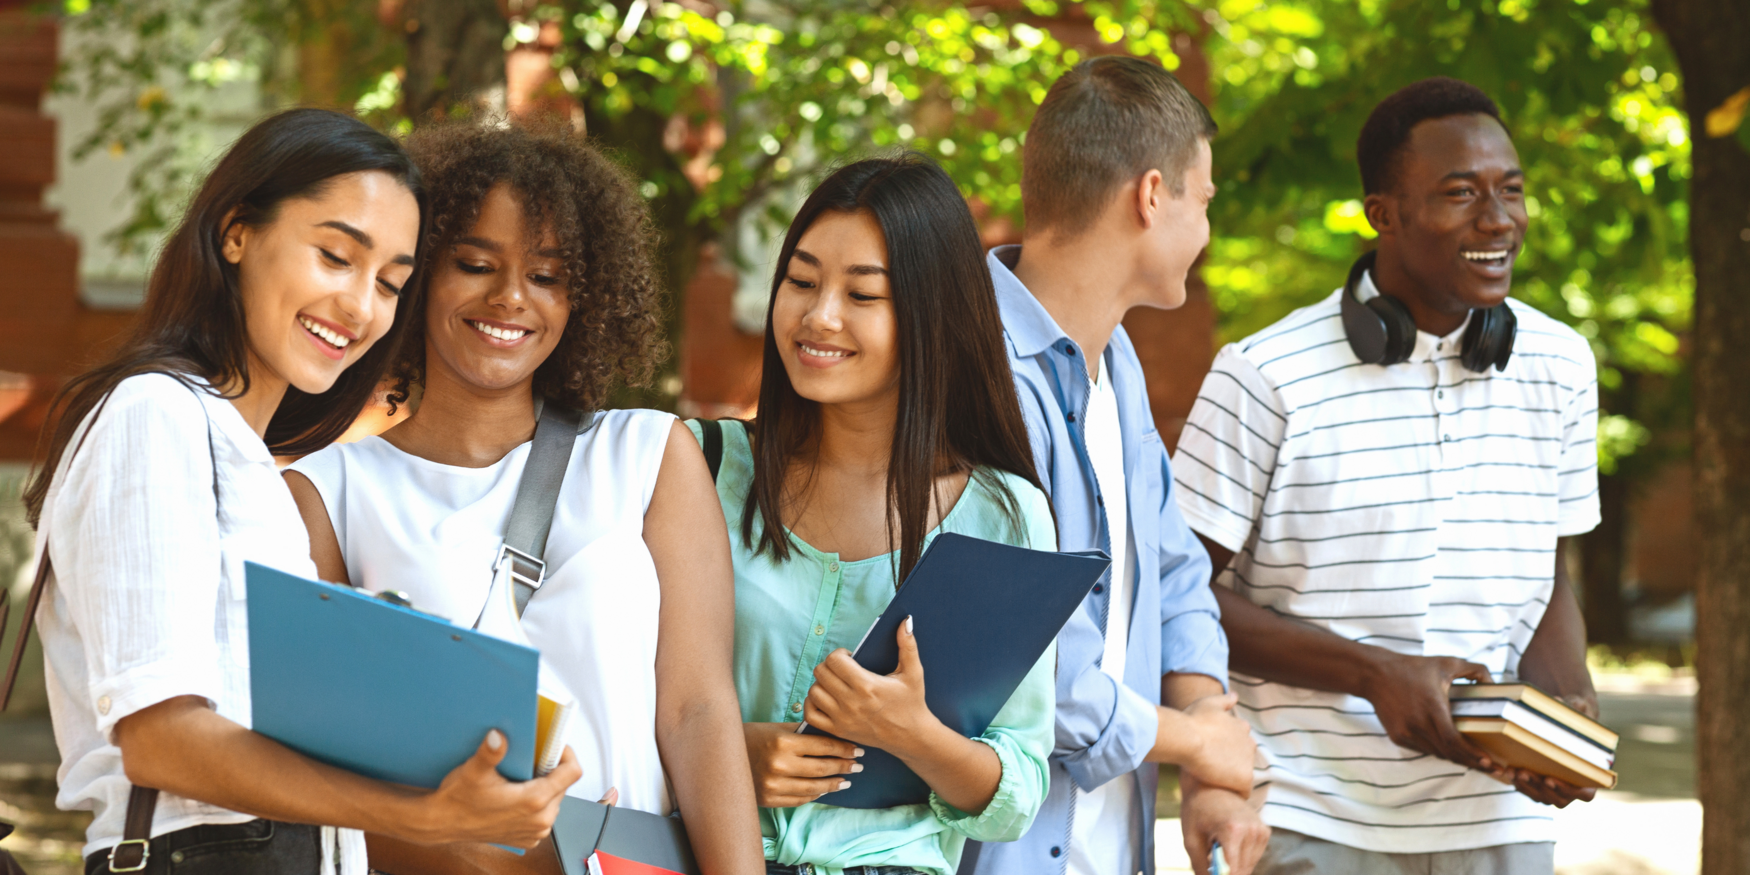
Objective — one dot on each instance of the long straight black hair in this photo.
(191, 325)
(957, 404)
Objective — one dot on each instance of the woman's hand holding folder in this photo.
(182, 746)
(890, 712)
(791, 769)
(476, 804)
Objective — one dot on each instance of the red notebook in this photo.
(603, 863)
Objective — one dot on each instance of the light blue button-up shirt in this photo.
(1104, 728)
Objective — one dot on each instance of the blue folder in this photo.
(983, 613)
(382, 690)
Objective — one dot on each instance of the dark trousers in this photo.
(259, 847)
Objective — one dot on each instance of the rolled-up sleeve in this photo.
(1192, 641)
(135, 544)
(1021, 737)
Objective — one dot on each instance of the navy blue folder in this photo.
(381, 690)
(983, 613)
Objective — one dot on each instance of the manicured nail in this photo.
(859, 752)
(858, 767)
(908, 624)
(494, 740)
(844, 785)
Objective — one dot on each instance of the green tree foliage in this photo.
(1589, 91)
(153, 70)
(1587, 87)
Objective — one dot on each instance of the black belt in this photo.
(257, 846)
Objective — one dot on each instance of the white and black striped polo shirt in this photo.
(1415, 507)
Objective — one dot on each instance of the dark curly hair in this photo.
(604, 230)
(1388, 127)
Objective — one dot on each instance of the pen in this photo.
(1215, 859)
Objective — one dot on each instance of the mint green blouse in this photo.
(789, 616)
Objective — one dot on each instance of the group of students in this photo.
(1378, 528)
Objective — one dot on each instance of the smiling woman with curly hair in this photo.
(539, 289)
(605, 246)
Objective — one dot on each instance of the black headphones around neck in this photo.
(1381, 331)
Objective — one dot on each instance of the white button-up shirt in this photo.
(1413, 507)
(148, 524)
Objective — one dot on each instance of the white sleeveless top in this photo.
(433, 531)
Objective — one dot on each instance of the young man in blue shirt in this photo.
(1116, 186)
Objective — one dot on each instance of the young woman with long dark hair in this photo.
(540, 288)
(269, 319)
(887, 415)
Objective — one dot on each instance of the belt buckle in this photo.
(145, 854)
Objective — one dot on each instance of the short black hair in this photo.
(1388, 126)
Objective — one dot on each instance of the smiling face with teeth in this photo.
(321, 280)
(832, 315)
(497, 303)
(1452, 221)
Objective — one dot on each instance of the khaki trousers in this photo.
(1291, 853)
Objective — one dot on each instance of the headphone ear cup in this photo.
(1488, 342)
(1400, 328)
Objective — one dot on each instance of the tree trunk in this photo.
(1712, 42)
(455, 56)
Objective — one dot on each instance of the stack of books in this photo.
(1526, 728)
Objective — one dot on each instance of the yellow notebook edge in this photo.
(552, 720)
(1596, 776)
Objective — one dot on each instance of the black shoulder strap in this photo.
(712, 430)
(537, 494)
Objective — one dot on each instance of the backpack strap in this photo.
(537, 495)
(711, 431)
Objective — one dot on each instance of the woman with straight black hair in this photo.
(887, 416)
(269, 319)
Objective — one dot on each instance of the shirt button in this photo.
(819, 630)
(176, 856)
(1099, 587)
(834, 568)
(795, 707)
(103, 705)
(1056, 851)
(1447, 438)
(1072, 417)
(1440, 394)
(1100, 500)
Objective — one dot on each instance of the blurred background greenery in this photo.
(725, 109)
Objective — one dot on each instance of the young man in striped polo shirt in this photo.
(1385, 486)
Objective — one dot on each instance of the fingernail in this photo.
(844, 785)
(908, 624)
(859, 752)
(856, 768)
(494, 740)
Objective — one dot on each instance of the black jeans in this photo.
(259, 847)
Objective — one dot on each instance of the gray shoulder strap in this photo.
(537, 494)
